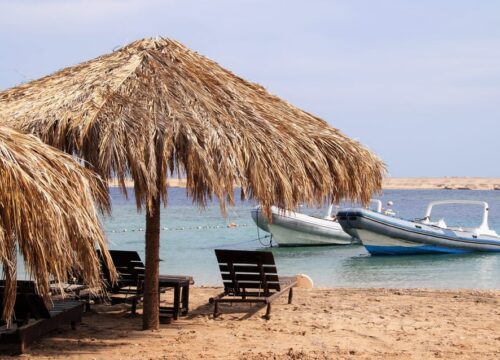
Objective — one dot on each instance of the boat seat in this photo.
(440, 224)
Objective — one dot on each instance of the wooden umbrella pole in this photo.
(151, 315)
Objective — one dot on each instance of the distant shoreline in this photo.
(451, 183)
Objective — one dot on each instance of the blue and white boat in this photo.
(387, 235)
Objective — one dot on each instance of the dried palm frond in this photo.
(155, 107)
(47, 214)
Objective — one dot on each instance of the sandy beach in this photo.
(320, 324)
(451, 183)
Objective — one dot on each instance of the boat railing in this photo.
(378, 203)
(484, 227)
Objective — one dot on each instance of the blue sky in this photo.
(418, 82)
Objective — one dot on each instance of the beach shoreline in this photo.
(421, 183)
(326, 323)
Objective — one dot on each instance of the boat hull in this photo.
(385, 235)
(295, 229)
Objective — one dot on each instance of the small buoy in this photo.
(304, 281)
(124, 230)
(231, 225)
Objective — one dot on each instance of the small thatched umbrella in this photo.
(47, 213)
(155, 106)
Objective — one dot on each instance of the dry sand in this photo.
(441, 183)
(404, 183)
(320, 324)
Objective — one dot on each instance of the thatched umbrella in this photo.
(47, 213)
(155, 107)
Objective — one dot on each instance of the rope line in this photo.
(235, 244)
(183, 228)
(258, 232)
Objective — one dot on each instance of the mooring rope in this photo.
(258, 232)
(238, 243)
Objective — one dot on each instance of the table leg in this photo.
(177, 295)
(185, 299)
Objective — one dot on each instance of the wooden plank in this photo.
(250, 277)
(138, 263)
(227, 300)
(22, 286)
(254, 294)
(269, 269)
(186, 277)
(251, 285)
(244, 257)
(124, 257)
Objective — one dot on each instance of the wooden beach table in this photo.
(180, 284)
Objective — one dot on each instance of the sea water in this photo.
(189, 236)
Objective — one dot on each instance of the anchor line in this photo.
(236, 244)
(258, 233)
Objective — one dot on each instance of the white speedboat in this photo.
(387, 235)
(290, 228)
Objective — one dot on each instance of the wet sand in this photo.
(320, 324)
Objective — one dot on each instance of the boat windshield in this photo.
(458, 215)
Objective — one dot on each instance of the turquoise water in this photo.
(190, 235)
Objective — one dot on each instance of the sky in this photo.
(417, 82)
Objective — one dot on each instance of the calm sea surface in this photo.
(189, 237)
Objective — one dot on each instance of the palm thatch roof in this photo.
(155, 106)
(47, 214)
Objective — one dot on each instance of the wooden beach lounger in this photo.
(250, 277)
(131, 273)
(33, 318)
(127, 288)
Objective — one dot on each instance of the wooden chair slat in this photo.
(241, 257)
(270, 269)
(251, 285)
(250, 277)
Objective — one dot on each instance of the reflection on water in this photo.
(352, 266)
